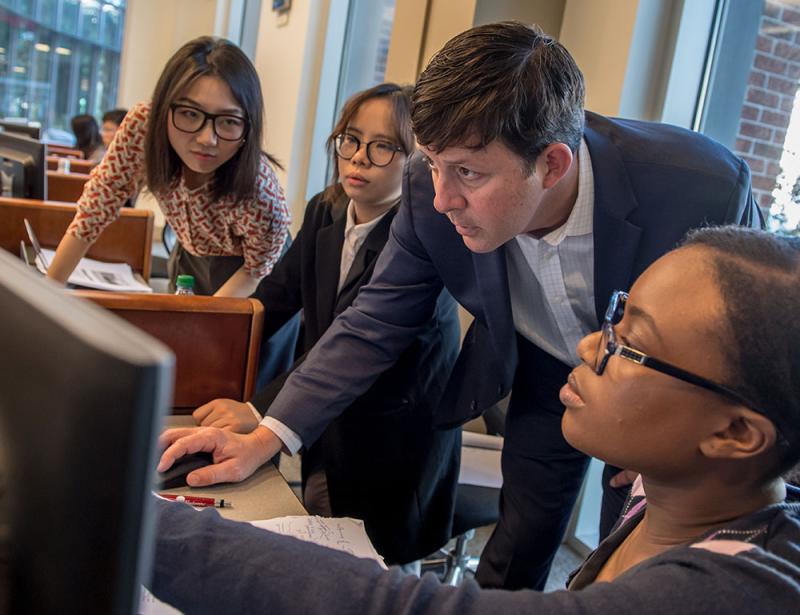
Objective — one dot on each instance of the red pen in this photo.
(196, 500)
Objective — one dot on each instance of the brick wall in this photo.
(772, 85)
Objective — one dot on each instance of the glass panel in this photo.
(763, 117)
(90, 20)
(84, 79)
(369, 29)
(60, 111)
(48, 12)
(70, 10)
(26, 7)
(100, 102)
(112, 26)
(38, 59)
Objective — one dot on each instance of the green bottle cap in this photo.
(185, 281)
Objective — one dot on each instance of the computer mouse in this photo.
(175, 475)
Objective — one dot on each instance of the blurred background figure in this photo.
(111, 121)
(87, 137)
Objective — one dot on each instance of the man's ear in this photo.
(553, 163)
(747, 434)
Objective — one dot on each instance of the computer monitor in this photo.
(22, 127)
(23, 167)
(82, 394)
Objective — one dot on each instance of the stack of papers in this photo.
(96, 274)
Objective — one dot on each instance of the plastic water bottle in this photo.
(184, 285)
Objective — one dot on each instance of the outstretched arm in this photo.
(205, 564)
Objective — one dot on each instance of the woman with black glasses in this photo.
(693, 384)
(197, 147)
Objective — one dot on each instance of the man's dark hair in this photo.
(115, 116)
(506, 81)
(758, 275)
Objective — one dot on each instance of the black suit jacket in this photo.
(384, 461)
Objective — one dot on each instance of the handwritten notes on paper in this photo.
(343, 533)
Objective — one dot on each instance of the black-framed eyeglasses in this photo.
(609, 346)
(227, 127)
(379, 152)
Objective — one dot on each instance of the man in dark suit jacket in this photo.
(547, 210)
(383, 459)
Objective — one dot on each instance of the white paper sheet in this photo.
(341, 533)
(96, 274)
(150, 605)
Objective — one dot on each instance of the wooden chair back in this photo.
(75, 166)
(129, 239)
(66, 152)
(65, 187)
(216, 340)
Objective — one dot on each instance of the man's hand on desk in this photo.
(236, 456)
(226, 414)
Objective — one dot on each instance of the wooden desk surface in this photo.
(262, 496)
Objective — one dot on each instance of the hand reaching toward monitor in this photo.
(236, 456)
(226, 414)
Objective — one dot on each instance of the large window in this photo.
(59, 58)
(751, 102)
(356, 47)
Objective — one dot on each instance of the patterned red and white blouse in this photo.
(256, 228)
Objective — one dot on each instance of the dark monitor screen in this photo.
(82, 394)
(23, 167)
(22, 128)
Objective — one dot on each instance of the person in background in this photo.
(111, 123)
(530, 210)
(382, 461)
(197, 147)
(692, 382)
(87, 137)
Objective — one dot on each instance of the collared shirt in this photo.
(354, 237)
(551, 280)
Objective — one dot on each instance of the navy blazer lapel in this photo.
(330, 240)
(369, 250)
(615, 239)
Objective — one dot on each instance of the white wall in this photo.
(154, 30)
(547, 14)
(598, 35)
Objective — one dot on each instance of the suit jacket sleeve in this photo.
(206, 564)
(368, 337)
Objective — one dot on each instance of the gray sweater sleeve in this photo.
(204, 564)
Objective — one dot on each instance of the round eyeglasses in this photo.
(379, 152)
(191, 119)
(609, 346)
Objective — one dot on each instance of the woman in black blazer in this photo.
(382, 460)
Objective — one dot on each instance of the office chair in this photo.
(477, 499)
(477, 493)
